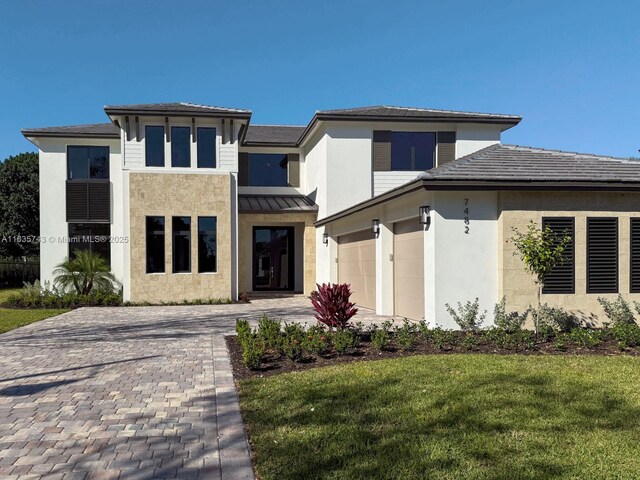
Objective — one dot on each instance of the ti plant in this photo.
(332, 305)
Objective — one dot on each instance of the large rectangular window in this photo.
(154, 146)
(181, 244)
(602, 255)
(155, 244)
(206, 141)
(413, 150)
(180, 147)
(91, 237)
(562, 278)
(267, 169)
(635, 256)
(87, 163)
(207, 244)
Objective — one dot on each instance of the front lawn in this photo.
(5, 293)
(466, 416)
(13, 318)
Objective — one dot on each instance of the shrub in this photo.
(509, 322)
(332, 305)
(345, 341)
(585, 337)
(561, 343)
(618, 312)
(253, 349)
(469, 342)
(243, 329)
(269, 331)
(406, 336)
(316, 341)
(85, 273)
(380, 338)
(551, 319)
(626, 334)
(36, 296)
(442, 338)
(467, 316)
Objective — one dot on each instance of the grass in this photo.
(6, 292)
(449, 417)
(13, 318)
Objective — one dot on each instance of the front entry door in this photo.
(273, 258)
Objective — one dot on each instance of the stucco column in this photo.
(384, 270)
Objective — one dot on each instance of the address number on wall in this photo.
(466, 216)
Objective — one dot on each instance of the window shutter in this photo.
(99, 202)
(446, 147)
(562, 278)
(381, 151)
(243, 169)
(602, 255)
(635, 256)
(294, 169)
(77, 201)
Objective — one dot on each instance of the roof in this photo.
(93, 130)
(404, 113)
(176, 108)
(275, 204)
(513, 163)
(280, 135)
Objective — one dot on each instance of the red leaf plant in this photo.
(332, 305)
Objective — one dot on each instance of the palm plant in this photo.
(84, 273)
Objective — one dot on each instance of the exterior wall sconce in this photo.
(424, 215)
(325, 238)
(375, 227)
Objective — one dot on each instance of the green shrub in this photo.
(626, 334)
(442, 339)
(243, 329)
(618, 312)
(380, 339)
(549, 320)
(496, 336)
(269, 331)
(561, 343)
(469, 342)
(585, 337)
(345, 341)
(316, 341)
(36, 296)
(253, 349)
(467, 317)
(406, 336)
(509, 322)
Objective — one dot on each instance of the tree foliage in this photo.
(19, 205)
(85, 273)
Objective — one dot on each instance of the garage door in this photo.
(408, 269)
(357, 266)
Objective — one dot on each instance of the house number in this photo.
(466, 216)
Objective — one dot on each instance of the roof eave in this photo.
(163, 113)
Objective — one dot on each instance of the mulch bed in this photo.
(274, 364)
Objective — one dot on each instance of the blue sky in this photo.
(570, 68)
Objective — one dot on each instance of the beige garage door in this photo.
(408, 269)
(357, 266)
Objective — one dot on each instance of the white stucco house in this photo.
(413, 207)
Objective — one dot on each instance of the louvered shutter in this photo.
(381, 151)
(562, 278)
(602, 255)
(99, 202)
(294, 169)
(243, 169)
(77, 201)
(635, 256)
(446, 147)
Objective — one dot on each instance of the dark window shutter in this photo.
(562, 278)
(635, 256)
(294, 169)
(243, 169)
(77, 201)
(602, 255)
(381, 151)
(446, 147)
(99, 202)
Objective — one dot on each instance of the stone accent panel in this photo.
(519, 208)
(303, 223)
(171, 195)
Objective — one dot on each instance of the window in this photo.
(154, 146)
(635, 256)
(206, 147)
(155, 244)
(562, 278)
(602, 255)
(91, 237)
(207, 244)
(267, 169)
(181, 244)
(84, 163)
(180, 147)
(413, 150)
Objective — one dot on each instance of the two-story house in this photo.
(413, 207)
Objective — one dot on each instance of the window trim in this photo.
(215, 146)
(617, 255)
(164, 146)
(173, 246)
(172, 143)
(572, 289)
(215, 270)
(164, 245)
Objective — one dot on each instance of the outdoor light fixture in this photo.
(325, 238)
(375, 227)
(423, 215)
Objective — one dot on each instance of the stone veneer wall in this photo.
(246, 221)
(517, 209)
(173, 194)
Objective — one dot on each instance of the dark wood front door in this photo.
(273, 258)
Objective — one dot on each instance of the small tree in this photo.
(540, 250)
(86, 272)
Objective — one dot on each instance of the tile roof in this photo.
(391, 112)
(273, 134)
(514, 163)
(275, 203)
(175, 108)
(93, 130)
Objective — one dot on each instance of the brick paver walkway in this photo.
(128, 393)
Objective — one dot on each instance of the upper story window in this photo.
(180, 147)
(154, 146)
(206, 141)
(84, 163)
(413, 150)
(267, 169)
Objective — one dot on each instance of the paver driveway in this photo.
(129, 393)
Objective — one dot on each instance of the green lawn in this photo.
(449, 417)
(13, 318)
(5, 292)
